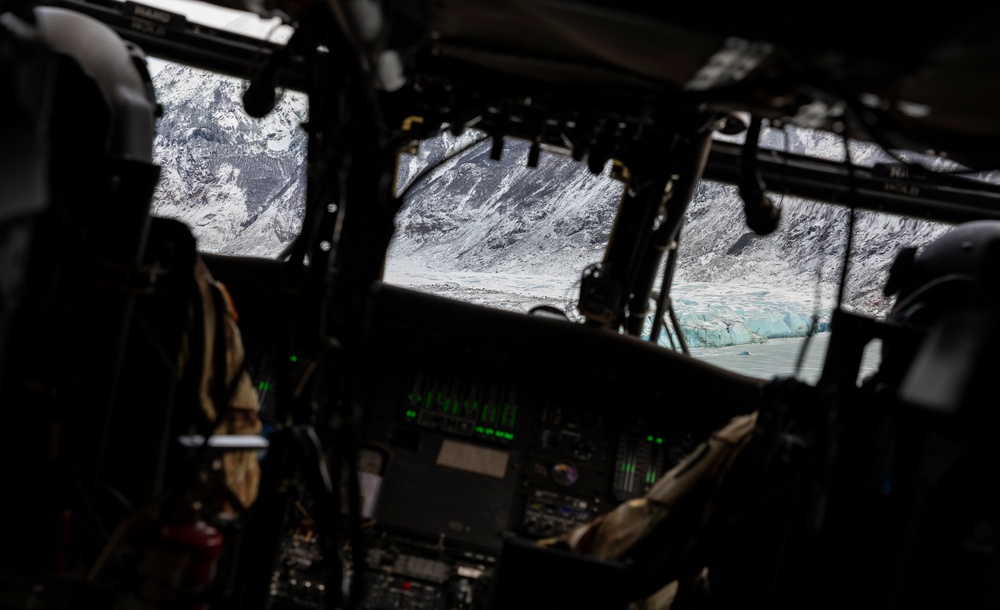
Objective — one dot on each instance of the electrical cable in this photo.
(673, 342)
(849, 247)
(427, 171)
(863, 115)
(663, 297)
(665, 305)
(817, 297)
(677, 328)
(852, 219)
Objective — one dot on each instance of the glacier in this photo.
(710, 315)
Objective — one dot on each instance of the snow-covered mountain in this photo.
(475, 214)
(497, 232)
(237, 181)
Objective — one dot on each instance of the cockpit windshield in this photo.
(237, 181)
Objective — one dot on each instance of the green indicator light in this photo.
(427, 403)
(479, 429)
(510, 436)
(509, 411)
(411, 413)
(293, 358)
(659, 441)
(489, 431)
(650, 438)
(498, 433)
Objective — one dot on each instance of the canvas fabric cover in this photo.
(663, 532)
(213, 352)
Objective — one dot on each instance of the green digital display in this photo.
(497, 433)
(461, 406)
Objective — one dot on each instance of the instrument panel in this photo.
(483, 426)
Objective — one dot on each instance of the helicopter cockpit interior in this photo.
(404, 450)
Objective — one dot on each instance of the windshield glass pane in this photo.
(505, 235)
(236, 181)
(499, 233)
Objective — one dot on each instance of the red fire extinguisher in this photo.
(178, 567)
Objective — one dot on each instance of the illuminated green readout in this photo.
(651, 477)
(492, 420)
(293, 358)
(659, 441)
(655, 439)
(447, 405)
(497, 433)
(509, 415)
(628, 468)
(265, 386)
